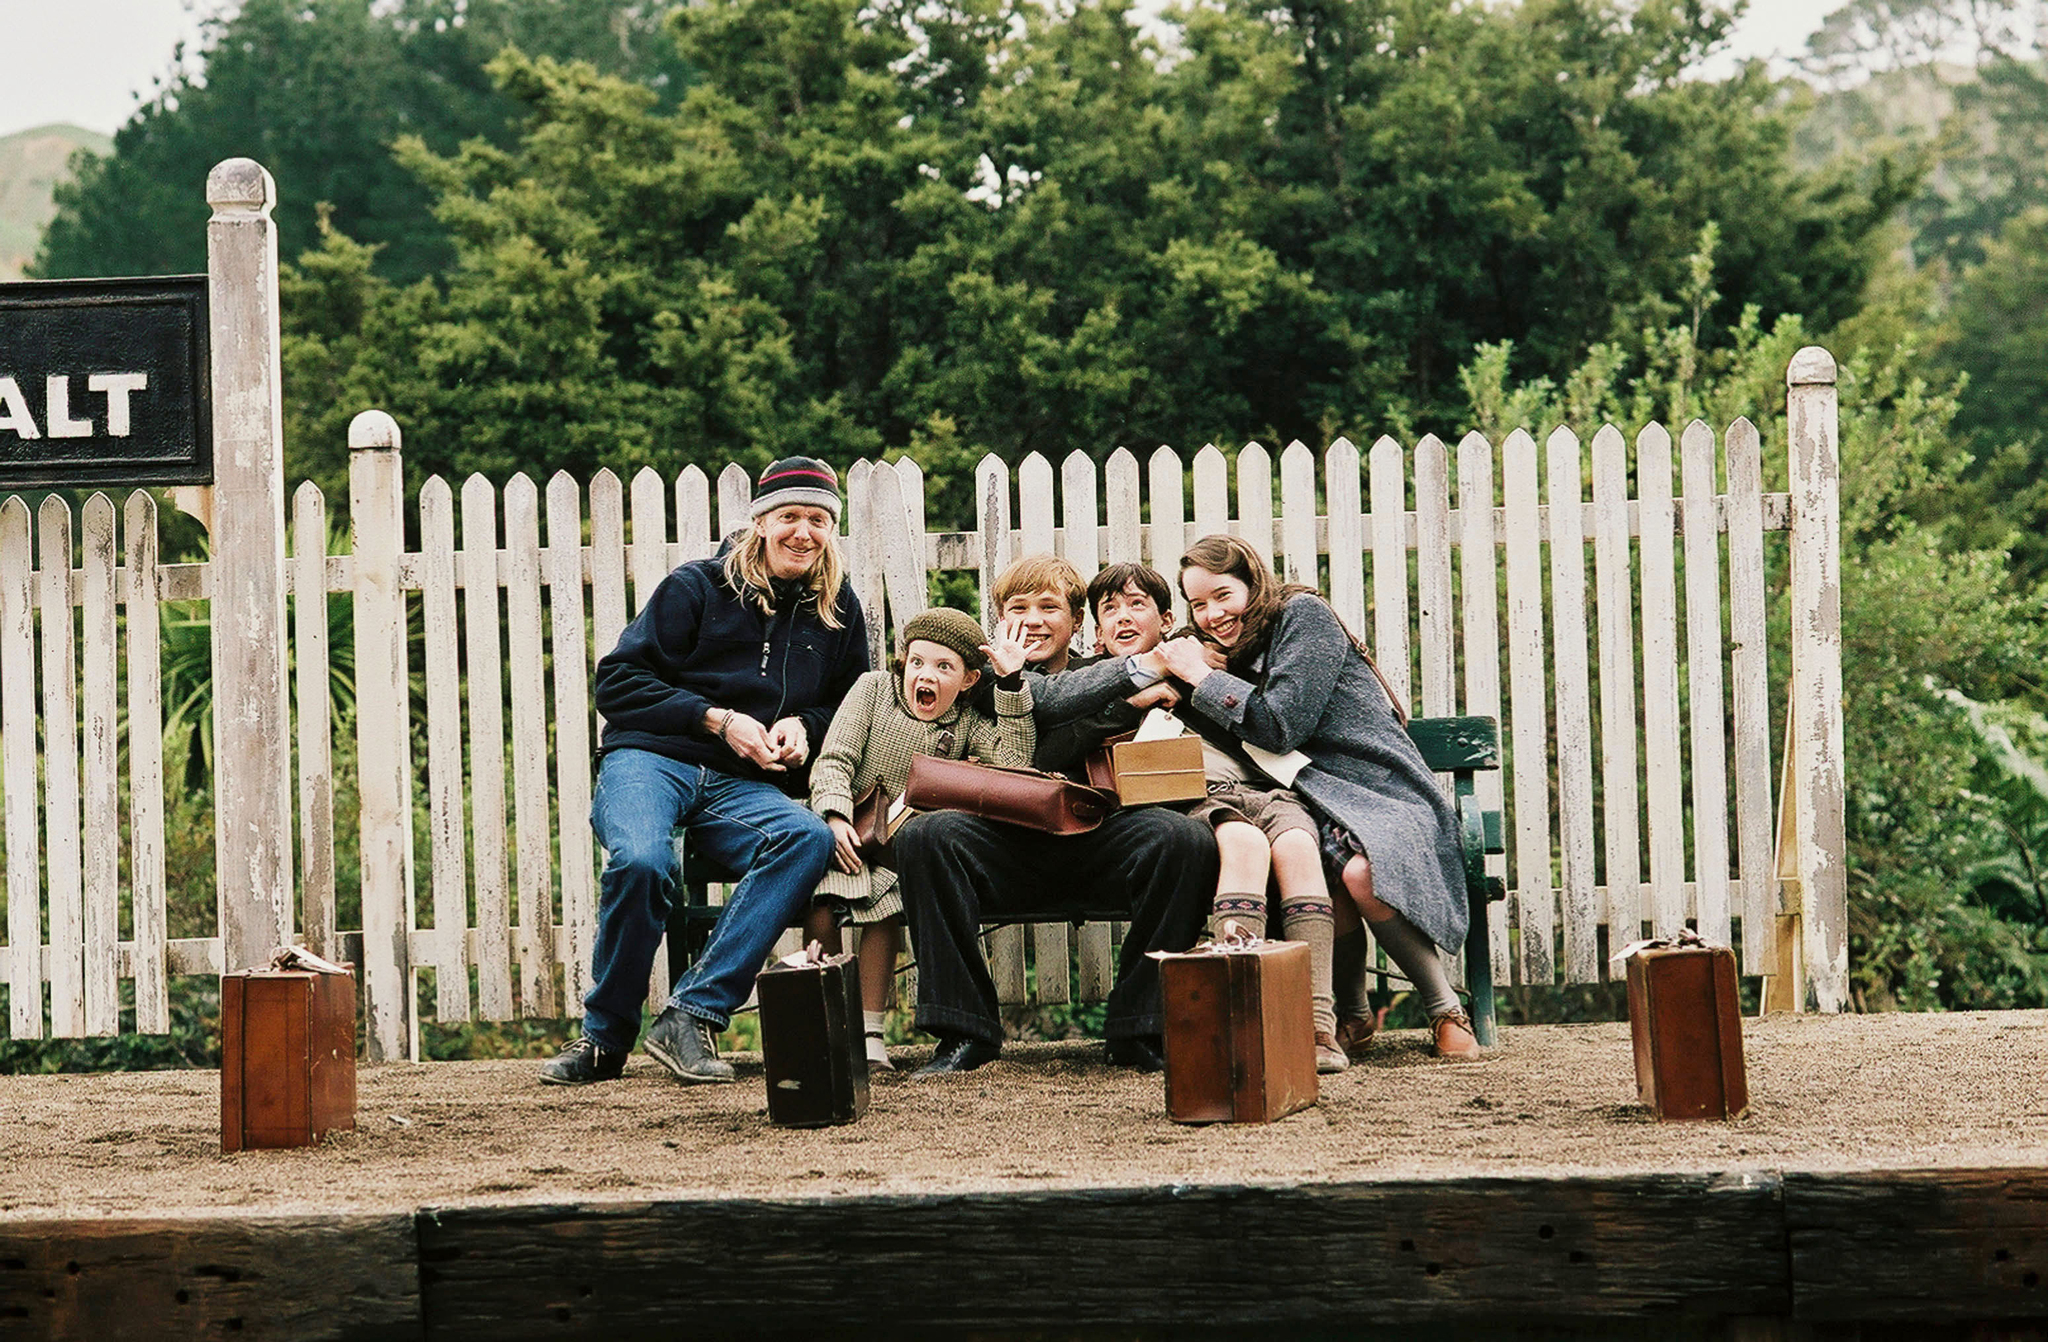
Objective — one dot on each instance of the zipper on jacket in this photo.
(767, 642)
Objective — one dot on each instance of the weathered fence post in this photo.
(1814, 747)
(252, 722)
(376, 483)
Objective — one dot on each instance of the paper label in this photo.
(1280, 768)
(1160, 725)
(298, 957)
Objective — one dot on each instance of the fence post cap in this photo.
(373, 430)
(1811, 366)
(239, 186)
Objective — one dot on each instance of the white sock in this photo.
(872, 1023)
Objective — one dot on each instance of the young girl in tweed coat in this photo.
(884, 722)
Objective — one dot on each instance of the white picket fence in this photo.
(1477, 597)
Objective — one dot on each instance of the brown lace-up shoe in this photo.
(1354, 1035)
(1329, 1057)
(1452, 1037)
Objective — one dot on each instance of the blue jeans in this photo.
(743, 825)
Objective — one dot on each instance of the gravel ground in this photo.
(1847, 1092)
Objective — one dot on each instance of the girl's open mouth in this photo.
(925, 697)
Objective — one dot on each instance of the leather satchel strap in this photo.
(1393, 699)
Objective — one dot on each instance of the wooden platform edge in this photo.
(1951, 1245)
(211, 1275)
(1927, 1245)
(1365, 1253)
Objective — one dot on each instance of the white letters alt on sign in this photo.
(58, 400)
(116, 387)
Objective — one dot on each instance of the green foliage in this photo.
(317, 91)
(893, 228)
(1929, 624)
(1998, 323)
(1960, 87)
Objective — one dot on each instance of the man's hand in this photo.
(1159, 694)
(845, 845)
(1188, 660)
(790, 742)
(1005, 647)
(749, 740)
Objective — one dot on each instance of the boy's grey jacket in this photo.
(1076, 709)
(1316, 695)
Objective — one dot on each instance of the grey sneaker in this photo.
(581, 1063)
(683, 1044)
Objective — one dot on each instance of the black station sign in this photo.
(105, 382)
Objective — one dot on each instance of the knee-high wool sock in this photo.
(1312, 920)
(1246, 908)
(1417, 955)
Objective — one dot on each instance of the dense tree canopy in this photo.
(1017, 227)
(317, 91)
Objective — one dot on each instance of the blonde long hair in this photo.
(746, 569)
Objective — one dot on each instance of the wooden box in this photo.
(1686, 1020)
(288, 1057)
(1240, 1033)
(812, 1045)
(1144, 772)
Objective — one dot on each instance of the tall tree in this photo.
(997, 225)
(317, 91)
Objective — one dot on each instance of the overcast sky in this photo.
(91, 62)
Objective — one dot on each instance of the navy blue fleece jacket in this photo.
(696, 645)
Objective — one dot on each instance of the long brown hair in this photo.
(1229, 557)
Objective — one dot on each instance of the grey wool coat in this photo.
(1315, 694)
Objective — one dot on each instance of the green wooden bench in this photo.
(1463, 748)
(1460, 747)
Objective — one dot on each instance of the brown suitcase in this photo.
(812, 1045)
(1240, 1033)
(1686, 1020)
(1141, 773)
(288, 1056)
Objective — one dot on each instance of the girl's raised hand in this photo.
(1005, 647)
(1187, 660)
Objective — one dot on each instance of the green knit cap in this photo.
(948, 628)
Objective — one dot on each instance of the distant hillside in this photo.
(32, 162)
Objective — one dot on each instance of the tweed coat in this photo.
(873, 738)
(1315, 694)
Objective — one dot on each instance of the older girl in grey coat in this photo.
(1293, 679)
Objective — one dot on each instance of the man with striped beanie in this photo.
(804, 480)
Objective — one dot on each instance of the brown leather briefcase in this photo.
(1686, 1022)
(288, 1053)
(1240, 1032)
(1049, 803)
(1141, 773)
(812, 1045)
